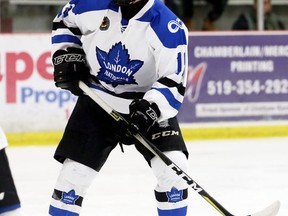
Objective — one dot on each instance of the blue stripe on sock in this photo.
(9, 208)
(60, 212)
(173, 212)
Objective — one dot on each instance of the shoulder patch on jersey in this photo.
(105, 24)
(175, 25)
(116, 66)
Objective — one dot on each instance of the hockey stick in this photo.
(271, 210)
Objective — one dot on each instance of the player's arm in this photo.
(68, 57)
(164, 99)
(172, 65)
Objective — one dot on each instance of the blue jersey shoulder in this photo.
(82, 6)
(167, 26)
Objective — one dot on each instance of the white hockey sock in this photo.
(70, 188)
(171, 192)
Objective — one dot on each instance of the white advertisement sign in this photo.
(29, 100)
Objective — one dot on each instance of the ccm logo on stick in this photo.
(165, 133)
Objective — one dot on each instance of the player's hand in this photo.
(142, 116)
(69, 67)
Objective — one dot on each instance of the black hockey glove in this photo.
(142, 115)
(69, 67)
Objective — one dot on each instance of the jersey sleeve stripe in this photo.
(66, 38)
(169, 97)
(170, 83)
(61, 25)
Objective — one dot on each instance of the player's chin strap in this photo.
(271, 210)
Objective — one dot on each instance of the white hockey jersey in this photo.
(145, 57)
(3, 139)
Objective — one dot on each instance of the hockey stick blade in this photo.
(269, 211)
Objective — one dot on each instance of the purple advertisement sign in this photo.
(236, 77)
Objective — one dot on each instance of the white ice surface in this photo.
(244, 176)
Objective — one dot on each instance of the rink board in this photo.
(189, 133)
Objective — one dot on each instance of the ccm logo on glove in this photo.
(142, 115)
(70, 66)
(73, 57)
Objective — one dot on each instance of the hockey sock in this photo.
(171, 192)
(16, 212)
(9, 199)
(70, 189)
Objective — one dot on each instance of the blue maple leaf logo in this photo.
(175, 195)
(116, 66)
(69, 198)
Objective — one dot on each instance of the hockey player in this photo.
(133, 54)
(9, 200)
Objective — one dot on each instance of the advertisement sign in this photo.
(29, 101)
(232, 77)
(236, 77)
